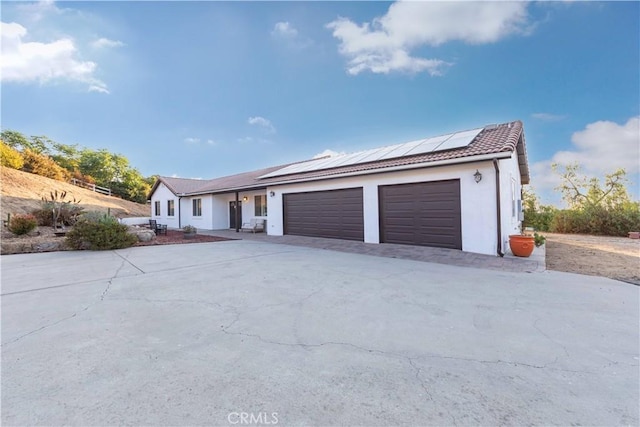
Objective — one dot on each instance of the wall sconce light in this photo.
(477, 176)
(245, 198)
(272, 193)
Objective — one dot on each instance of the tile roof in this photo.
(493, 139)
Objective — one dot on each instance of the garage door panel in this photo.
(335, 214)
(426, 214)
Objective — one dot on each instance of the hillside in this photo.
(21, 192)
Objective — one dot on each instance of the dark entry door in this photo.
(424, 214)
(232, 214)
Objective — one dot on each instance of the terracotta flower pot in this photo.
(521, 245)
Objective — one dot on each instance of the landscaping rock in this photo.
(143, 234)
(27, 247)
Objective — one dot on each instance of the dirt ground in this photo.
(21, 193)
(614, 257)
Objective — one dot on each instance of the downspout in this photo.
(179, 215)
(236, 213)
(498, 213)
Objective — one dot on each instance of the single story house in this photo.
(461, 191)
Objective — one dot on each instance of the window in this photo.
(261, 205)
(157, 208)
(197, 207)
(170, 211)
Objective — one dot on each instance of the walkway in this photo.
(535, 263)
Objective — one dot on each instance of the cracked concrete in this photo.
(186, 334)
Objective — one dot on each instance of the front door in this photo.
(232, 214)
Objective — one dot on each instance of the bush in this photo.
(42, 165)
(96, 231)
(68, 213)
(10, 157)
(540, 218)
(22, 224)
(617, 221)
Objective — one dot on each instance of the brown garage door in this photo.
(425, 214)
(335, 213)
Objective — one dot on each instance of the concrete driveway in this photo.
(242, 332)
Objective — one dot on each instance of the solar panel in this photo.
(422, 146)
(459, 140)
(428, 145)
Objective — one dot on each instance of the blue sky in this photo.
(207, 89)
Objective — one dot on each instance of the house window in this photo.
(157, 208)
(197, 207)
(170, 209)
(261, 205)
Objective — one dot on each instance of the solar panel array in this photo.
(422, 146)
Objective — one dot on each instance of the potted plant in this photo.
(522, 245)
(189, 231)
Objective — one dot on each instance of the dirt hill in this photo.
(21, 193)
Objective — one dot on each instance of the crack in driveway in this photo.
(75, 314)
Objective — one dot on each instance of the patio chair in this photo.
(255, 225)
(157, 228)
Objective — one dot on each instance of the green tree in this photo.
(67, 156)
(17, 141)
(536, 215)
(595, 206)
(581, 191)
(105, 167)
(14, 139)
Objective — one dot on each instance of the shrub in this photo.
(22, 224)
(68, 213)
(10, 157)
(97, 231)
(540, 218)
(40, 164)
(616, 221)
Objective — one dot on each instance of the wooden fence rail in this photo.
(92, 187)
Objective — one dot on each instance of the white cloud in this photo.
(211, 142)
(104, 43)
(604, 146)
(39, 10)
(191, 140)
(26, 62)
(284, 29)
(548, 117)
(600, 148)
(384, 45)
(262, 122)
(329, 153)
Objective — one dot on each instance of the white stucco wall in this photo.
(478, 204)
(203, 222)
(509, 172)
(163, 194)
(215, 210)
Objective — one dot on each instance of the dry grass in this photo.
(21, 193)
